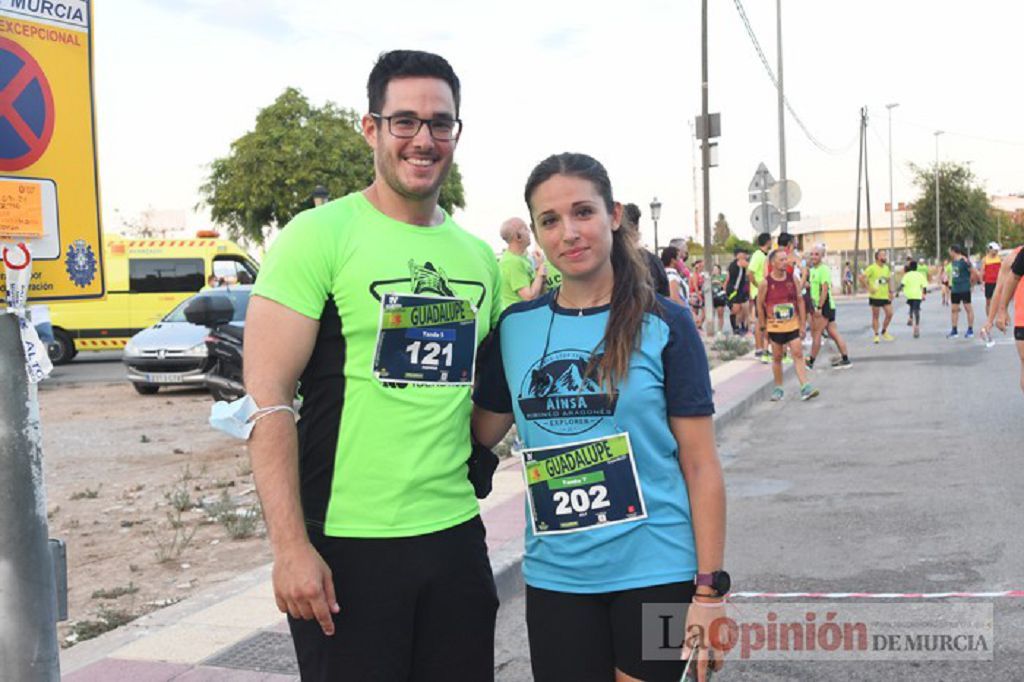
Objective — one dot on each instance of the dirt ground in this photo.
(136, 488)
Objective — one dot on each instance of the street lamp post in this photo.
(320, 195)
(938, 238)
(784, 208)
(892, 206)
(655, 215)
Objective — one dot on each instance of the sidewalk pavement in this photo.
(233, 632)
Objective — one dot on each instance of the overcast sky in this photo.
(177, 81)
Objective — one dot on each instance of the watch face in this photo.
(721, 582)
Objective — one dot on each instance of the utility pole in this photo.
(693, 167)
(705, 154)
(938, 237)
(860, 174)
(892, 205)
(867, 191)
(784, 208)
(28, 605)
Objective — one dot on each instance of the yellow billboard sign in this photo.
(49, 194)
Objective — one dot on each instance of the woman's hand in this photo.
(703, 631)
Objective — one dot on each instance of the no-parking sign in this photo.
(49, 194)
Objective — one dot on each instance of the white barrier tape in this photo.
(19, 274)
(877, 595)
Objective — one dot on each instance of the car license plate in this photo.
(163, 378)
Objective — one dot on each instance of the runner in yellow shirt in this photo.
(914, 285)
(877, 277)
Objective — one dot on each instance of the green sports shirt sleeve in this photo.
(298, 268)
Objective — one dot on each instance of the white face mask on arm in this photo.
(238, 417)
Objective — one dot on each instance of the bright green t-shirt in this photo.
(553, 278)
(914, 284)
(878, 281)
(516, 273)
(820, 274)
(377, 458)
(758, 267)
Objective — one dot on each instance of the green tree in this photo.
(733, 242)
(272, 170)
(964, 211)
(1009, 227)
(721, 231)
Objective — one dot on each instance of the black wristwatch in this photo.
(718, 581)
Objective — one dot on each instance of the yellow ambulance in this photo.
(145, 279)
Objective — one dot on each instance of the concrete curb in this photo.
(98, 648)
(759, 394)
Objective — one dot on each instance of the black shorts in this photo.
(584, 637)
(828, 312)
(1018, 333)
(879, 302)
(957, 299)
(415, 608)
(915, 306)
(739, 299)
(783, 338)
(720, 301)
(990, 289)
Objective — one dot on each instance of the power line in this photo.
(899, 166)
(969, 136)
(789, 107)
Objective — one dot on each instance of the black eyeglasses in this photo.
(406, 126)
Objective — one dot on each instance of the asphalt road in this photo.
(88, 367)
(903, 476)
(101, 367)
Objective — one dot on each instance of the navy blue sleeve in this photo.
(1018, 264)
(687, 377)
(491, 391)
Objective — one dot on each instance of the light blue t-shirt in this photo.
(668, 375)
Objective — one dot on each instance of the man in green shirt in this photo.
(519, 280)
(373, 305)
(914, 285)
(756, 273)
(824, 312)
(877, 277)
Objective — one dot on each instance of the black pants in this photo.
(418, 609)
(585, 637)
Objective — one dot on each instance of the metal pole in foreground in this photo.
(938, 238)
(28, 603)
(705, 159)
(782, 126)
(892, 206)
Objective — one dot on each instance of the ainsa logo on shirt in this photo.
(430, 278)
(560, 399)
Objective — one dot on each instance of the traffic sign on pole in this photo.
(793, 195)
(760, 216)
(761, 181)
(48, 179)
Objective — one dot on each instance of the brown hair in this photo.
(632, 293)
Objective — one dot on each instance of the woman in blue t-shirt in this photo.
(608, 386)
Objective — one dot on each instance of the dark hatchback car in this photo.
(173, 352)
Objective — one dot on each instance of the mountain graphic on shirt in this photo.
(572, 382)
(557, 395)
